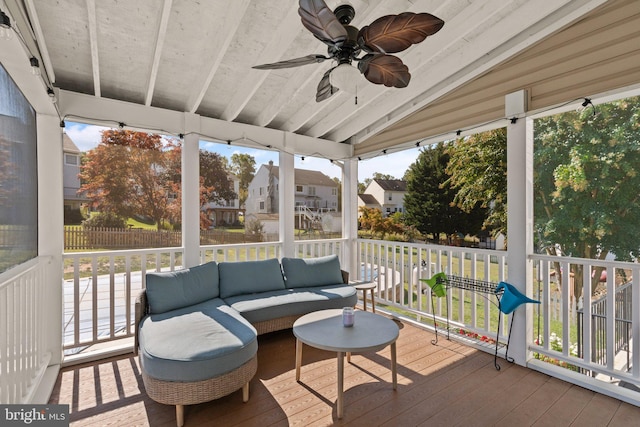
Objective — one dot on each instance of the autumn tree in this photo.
(124, 175)
(370, 218)
(215, 185)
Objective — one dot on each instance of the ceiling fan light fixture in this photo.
(345, 77)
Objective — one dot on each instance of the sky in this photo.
(87, 137)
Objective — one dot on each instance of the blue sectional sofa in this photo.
(197, 328)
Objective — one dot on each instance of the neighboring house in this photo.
(225, 212)
(71, 168)
(314, 191)
(387, 195)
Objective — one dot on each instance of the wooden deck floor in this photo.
(447, 384)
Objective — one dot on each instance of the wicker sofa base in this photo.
(190, 393)
(273, 325)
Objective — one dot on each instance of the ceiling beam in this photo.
(365, 14)
(553, 16)
(297, 84)
(430, 62)
(109, 112)
(285, 34)
(219, 43)
(42, 46)
(157, 52)
(93, 39)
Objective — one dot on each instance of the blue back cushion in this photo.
(305, 272)
(182, 288)
(248, 277)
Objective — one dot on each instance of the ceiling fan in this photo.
(387, 34)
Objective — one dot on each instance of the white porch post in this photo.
(286, 204)
(191, 192)
(50, 225)
(520, 217)
(350, 217)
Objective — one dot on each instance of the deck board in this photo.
(446, 384)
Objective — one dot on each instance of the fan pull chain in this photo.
(356, 94)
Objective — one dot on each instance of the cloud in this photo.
(84, 136)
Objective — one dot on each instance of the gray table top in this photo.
(323, 329)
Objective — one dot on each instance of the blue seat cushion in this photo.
(247, 277)
(182, 288)
(196, 343)
(271, 305)
(305, 272)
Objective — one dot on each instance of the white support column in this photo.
(520, 217)
(350, 216)
(50, 225)
(191, 192)
(286, 205)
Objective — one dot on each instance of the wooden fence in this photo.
(82, 238)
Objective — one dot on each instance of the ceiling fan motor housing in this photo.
(379, 40)
(345, 13)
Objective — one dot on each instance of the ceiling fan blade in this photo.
(321, 21)
(289, 63)
(385, 70)
(325, 90)
(395, 33)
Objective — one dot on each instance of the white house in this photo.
(313, 190)
(71, 168)
(387, 195)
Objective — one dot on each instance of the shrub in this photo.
(73, 217)
(106, 220)
(254, 227)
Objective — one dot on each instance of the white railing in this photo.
(100, 290)
(100, 287)
(24, 335)
(240, 252)
(320, 247)
(397, 268)
(594, 333)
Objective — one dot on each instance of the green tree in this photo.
(244, 167)
(586, 182)
(429, 202)
(215, 174)
(337, 181)
(478, 171)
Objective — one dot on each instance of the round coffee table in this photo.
(324, 330)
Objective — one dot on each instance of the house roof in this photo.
(68, 145)
(392, 184)
(368, 199)
(306, 177)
